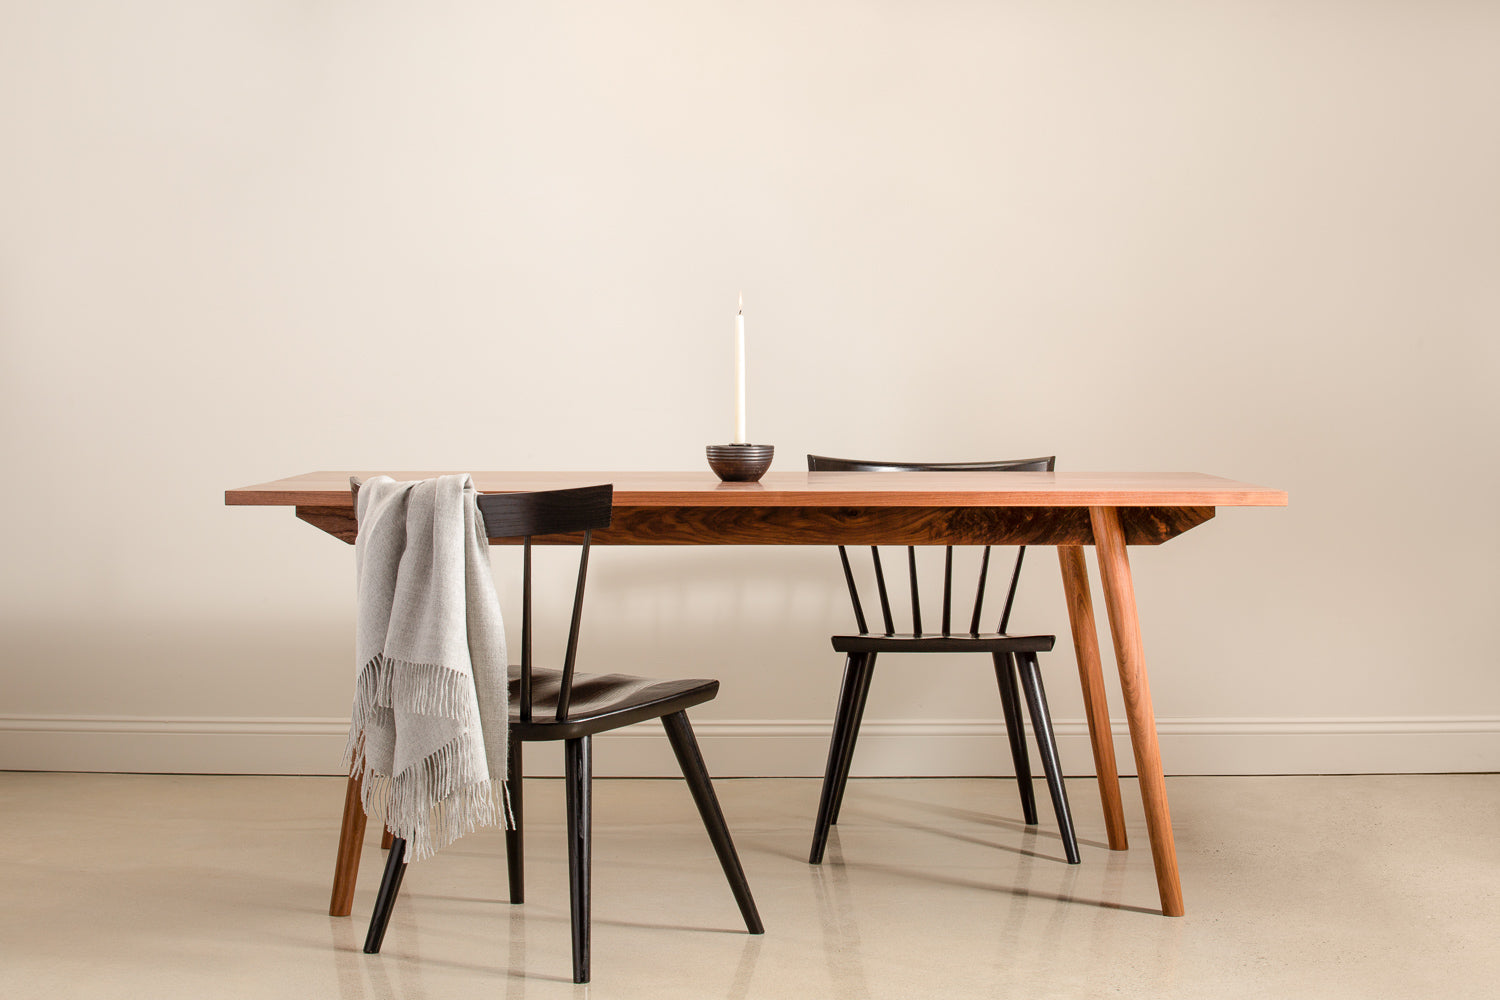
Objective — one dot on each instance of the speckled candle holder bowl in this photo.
(740, 463)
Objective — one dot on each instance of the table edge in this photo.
(283, 493)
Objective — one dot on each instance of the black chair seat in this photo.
(599, 702)
(985, 642)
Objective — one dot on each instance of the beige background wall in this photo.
(241, 240)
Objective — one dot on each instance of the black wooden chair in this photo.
(563, 705)
(1011, 654)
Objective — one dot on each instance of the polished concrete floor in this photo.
(1326, 887)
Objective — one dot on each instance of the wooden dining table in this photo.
(1072, 511)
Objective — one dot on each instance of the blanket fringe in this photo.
(443, 796)
(415, 688)
(434, 802)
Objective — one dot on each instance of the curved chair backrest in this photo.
(823, 463)
(550, 512)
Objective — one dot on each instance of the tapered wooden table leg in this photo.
(1119, 601)
(1075, 576)
(351, 840)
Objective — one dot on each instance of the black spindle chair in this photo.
(1011, 654)
(549, 704)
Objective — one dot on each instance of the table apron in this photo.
(743, 525)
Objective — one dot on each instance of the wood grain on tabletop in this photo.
(820, 489)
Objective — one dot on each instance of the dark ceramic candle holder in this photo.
(740, 463)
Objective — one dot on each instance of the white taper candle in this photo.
(739, 374)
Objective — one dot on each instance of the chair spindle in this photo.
(916, 601)
(564, 694)
(859, 612)
(526, 630)
(947, 589)
(1010, 595)
(984, 570)
(885, 602)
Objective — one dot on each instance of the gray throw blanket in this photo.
(431, 711)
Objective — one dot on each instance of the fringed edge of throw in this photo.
(425, 806)
(418, 688)
(436, 800)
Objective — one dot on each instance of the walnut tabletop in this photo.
(832, 508)
(819, 489)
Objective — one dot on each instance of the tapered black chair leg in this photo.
(578, 768)
(861, 695)
(1015, 730)
(385, 899)
(515, 856)
(841, 727)
(1036, 700)
(690, 759)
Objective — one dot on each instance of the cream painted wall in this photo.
(242, 240)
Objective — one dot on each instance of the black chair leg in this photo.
(515, 858)
(1015, 729)
(1036, 700)
(690, 759)
(835, 753)
(579, 767)
(862, 695)
(385, 899)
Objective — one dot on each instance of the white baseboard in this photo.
(795, 748)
